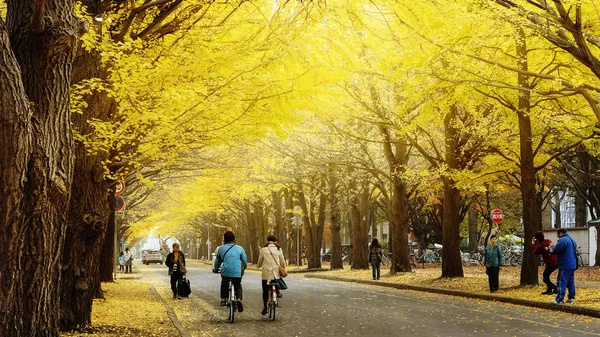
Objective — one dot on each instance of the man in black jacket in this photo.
(176, 263)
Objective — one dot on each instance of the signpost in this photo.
(497, 216)
(298, 224)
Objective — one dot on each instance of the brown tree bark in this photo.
(253, 228)
(360, 217)
(473, 233)
(106, 259)
(36, 161)
(529, 268)
(334, 220)
(313, 227)
(289, 216)
(451, 262)
(281, 228)
(89, 209)
(395, 153)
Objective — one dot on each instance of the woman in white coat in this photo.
(270, 258)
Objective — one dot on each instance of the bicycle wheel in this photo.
(231, 304)
(272, 311)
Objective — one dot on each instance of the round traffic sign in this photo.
(120, 187)
(497, 216)
(119, 203)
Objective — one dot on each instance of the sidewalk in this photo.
(474, 285)
(130, 308)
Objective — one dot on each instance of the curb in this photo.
(548, 306)
(171, 313)
(300, 271)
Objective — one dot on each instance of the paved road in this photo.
(327, 308)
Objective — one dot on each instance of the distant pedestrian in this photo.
(375, 258)
(176, 263)
(566, 254)
(542, 246)
(270, 259)
(493, 260)
(121, 262)
(128, 261)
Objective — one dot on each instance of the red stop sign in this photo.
(497, 216)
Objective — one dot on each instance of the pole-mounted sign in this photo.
(497, 216)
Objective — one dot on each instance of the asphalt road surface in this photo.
(328, 308)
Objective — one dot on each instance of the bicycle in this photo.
(272, 299)
(231, 303)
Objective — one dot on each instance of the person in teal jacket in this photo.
(231, 260)
(493, 260)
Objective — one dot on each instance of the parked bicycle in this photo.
(429, 256)
(472, 258)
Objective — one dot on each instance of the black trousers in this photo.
(237, 286)
(494, 278)
(547, 272)
(176, 279)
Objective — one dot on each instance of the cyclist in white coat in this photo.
(270, 258)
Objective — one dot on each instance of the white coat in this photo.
(270, 263)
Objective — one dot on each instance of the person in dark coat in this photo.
(542, 246)
(566, 255)
(375, 255)
(176, 263)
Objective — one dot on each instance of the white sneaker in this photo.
(571, 300)
(554, 302)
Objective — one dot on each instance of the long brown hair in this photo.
(272, 239)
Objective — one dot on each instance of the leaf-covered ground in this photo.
(130, 308)
(587, 281)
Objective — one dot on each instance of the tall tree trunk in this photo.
(89, 209)
(556, 209)
(36, 161)
(280, 223)
(529, 268)
(451, 262)
(473, 233)
(289, 208)
(395, 153)
(253, 227)
(261, 226)
(580, 211)
(107, 258)
(360, 220)
(313, 228)
(334, 220)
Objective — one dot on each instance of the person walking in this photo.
(270, 259)
(128, 261)
(176, 263)
(121, 262)
(493, 260)
(566, 255)
(542, 246)
(232, 261)
(375, 254)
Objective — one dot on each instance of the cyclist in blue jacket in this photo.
(565, 251)
(232, 261)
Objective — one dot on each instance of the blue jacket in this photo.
(494, 256)
(565, 252)
(234, 261)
